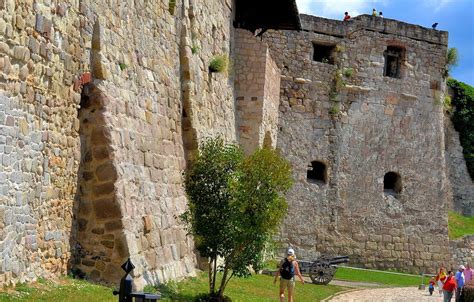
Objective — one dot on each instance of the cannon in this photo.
(321, 270)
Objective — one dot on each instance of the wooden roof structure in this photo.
(267, 14)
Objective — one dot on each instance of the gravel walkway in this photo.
(394, 294)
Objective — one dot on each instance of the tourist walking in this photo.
(459, 282)
(468, 273)
(287, 270)
(441, 278)
(449, 287)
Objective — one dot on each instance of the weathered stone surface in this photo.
(380, 124)
(101, 109)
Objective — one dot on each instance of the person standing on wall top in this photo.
(449, 287)
(460, 282)
(374, 12)
(380, 14)
(346, 16)
(286, 270)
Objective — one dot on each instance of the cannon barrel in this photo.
(340, 257)
(338, 261)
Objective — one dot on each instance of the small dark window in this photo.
(317, 172)
(323, 53)
(392, 184)
(393, 61)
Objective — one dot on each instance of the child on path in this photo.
(431, 286)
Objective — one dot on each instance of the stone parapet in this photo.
(377, 24)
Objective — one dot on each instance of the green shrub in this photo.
(194, 48)
(150, 289)
(452, 58)
(122, 66)
(447, 102)
(219, 64)
(348, 72)
(171, 6)
(463, 119)
(339, 48)
(334, 109)
(236, 203)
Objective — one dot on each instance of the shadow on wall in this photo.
(98, 245)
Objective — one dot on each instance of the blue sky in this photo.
(454, 16)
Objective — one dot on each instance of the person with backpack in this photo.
(287, 270)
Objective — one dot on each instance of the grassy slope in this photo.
(460, 225)
(65, 290)
(390, 279)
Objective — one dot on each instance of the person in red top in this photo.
(449, 287)
(346, 16)
(441, 278)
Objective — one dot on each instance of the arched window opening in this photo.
(317, 172)
(392, 184)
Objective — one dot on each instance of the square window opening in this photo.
(323, 53)
(393, 61)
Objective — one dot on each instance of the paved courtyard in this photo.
(399, 294)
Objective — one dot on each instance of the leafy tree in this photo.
(235, 205)
(452, 59)
(463, 119)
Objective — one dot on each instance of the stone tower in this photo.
(361, 121)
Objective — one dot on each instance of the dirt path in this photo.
(394, 294)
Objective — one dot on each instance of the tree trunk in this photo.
(214, 272)
(209, 264)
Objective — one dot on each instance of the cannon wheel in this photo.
(321, 272)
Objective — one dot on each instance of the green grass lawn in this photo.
(383, 278)
(64, 290)
(459, 226)
(255, 288)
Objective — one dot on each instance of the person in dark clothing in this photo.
(287, 270)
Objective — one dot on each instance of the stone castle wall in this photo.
(462, 186)
(41, 51)
(257, 90)
(106, 185)
(361, 130)
(103, 104)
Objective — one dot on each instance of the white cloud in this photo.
(436, 5)
(335, 9)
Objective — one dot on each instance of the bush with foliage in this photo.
(219, 64)
(235, 205)
(452, 58)
(463, 119)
